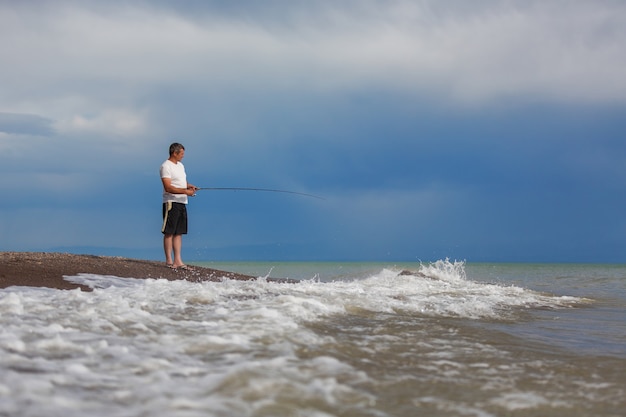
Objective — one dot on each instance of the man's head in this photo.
(176, 148)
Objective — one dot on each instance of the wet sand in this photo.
(46, 269)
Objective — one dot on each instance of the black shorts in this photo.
(174, 218)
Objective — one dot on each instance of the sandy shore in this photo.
(46, 269)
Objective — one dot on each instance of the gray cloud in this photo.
(493, 50)
(25, 124)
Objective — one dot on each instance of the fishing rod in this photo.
(257, 189)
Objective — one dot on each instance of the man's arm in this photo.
(169, 188)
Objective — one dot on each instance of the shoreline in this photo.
(46, 269)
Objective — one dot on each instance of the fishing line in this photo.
(257, 189)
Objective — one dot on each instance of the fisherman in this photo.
(176, 191)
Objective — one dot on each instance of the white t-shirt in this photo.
(176, 172)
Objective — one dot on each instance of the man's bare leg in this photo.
(168, 246)
(177, 244)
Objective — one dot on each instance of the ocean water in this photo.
(436, 339)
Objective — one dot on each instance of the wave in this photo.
(436, 289)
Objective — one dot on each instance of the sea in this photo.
(442, 338)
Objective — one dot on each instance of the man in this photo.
(176, 190)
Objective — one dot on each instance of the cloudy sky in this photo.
(490, 130)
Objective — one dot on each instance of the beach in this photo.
(46, 269)
(125, 337)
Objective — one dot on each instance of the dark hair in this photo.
(175, 148)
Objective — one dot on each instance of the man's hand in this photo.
(191, 190)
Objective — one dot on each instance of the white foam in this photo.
(237, 345)
(438, 289)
